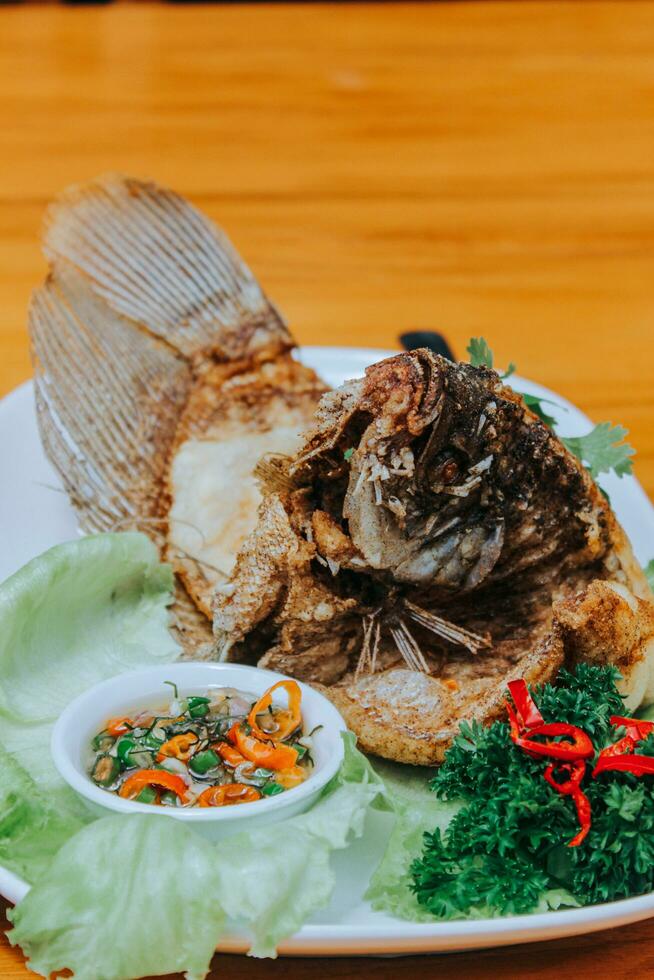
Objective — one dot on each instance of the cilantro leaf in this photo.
(603, 449)
(480, 353)
(536, 405)
(482, 356)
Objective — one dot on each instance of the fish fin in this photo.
(155, 259)
(108, 401)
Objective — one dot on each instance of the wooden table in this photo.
(479, 168)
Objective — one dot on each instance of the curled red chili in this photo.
(574, 770)
(579, 746)
(620, 756)
(624, 746)
(528, 714)
(636, 727)
(639, 765)
(571, 787)
(526, 724)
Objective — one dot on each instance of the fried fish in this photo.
(431, 540)
(162, 373)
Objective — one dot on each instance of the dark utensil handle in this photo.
(427, 338)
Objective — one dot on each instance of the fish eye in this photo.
(450, 471)
(446, 467)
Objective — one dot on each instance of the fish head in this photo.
(431, 467)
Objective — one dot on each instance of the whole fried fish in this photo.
(162, 373)
(431, 540)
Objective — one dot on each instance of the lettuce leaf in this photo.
(417, 811)
(72, 617)
(276, 878)
(134, 895)
(32, 826)
(183, 890)
(127, 896)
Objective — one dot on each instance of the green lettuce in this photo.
(275, 878)
(79, 613)
(76, 615)
(417, 811)
(127, 896)
(136, 895)
(32, 826)
(182, 890)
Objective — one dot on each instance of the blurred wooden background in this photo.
(479, 168)
(474, 167)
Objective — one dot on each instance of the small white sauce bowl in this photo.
(86, 715)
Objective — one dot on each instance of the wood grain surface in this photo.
(477, 168)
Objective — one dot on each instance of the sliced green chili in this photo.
(203, 762)
(147, 795)
(105, 770)
(198, 707)
(272, 789)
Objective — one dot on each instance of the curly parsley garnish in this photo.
(503, 852)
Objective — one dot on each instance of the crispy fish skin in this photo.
(151, 338)
(260, 408)
(412, 717)
(428, 507)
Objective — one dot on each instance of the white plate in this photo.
(35, 514)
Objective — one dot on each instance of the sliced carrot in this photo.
(229, 795)
(118, 726)
(230, 756)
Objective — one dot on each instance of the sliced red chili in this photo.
(579, 746)
(620, 756)
(514, 725)
(574, 771)
(571, 787)
(636, 727)
(528, 714)
(582, 806)
(624, 746)
(639, 765)
(526, 718)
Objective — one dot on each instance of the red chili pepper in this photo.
(582, 806)
(636, 728)
(639, 765)
(620, 756)
(528, 714)
(580, 746)
(571, 787)
(513, 721)
(624, 746)
(575, 771)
